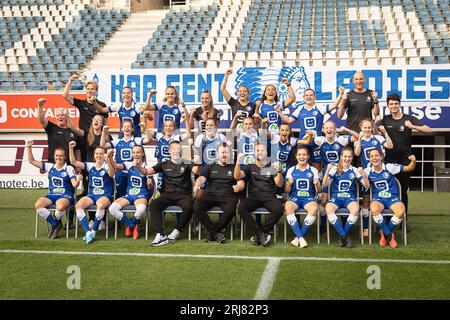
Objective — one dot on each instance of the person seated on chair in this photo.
(62, 183)
(138, 192)
(302, 183)
(222, 192)
(101, 184)
(262, 179)
(177, 192)
(343, 178)
(385, 193)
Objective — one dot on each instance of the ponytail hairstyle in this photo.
(340, 167)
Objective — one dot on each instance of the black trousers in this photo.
(165, 200)
(403, 178)
(247, 206)
(206, 202)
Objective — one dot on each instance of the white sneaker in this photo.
(295, 242)
(90, 236)
(102, 225)
(302, 242)
(174, 235)
(160, 240)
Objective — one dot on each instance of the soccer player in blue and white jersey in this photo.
(366, 142)
(124, 148)
(302, 183)
(283, 143)
(126, 110)
(100, 192)
(62, 181)
(344, 178)
(205, 145)
(385, 194)
(312, 118)
(171, 108)
(246, 138)
(162, 146)
(269, 106)
(330, 147)
(138, 193)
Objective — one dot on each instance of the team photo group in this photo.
(271, 158)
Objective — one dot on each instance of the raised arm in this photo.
(73, 127)
(73, 160)
(357, 145)
(99, 108)
(412, 165)
(109, 162)
(355, 135)
(307, 138)
(388, 144)
(279, 177)
(198, 184)
(288, 185)
(238, 173)
(40, 109)
(338, 99)
(341, 110)
(291, 98)
(105, 133)
(66, 92)
(223, 85)
(148, 103)
(187, 116)
(365, 180)
(376, 104)
(148, 134)
(326, 179)
(317, 185)
(423, 128)
(31, 160)
(285, 118)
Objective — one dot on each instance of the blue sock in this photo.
(394, 222)
(294, 225)
(85, 224)
(338, 227)
(309, 220)
(127, 221)
(384, 226)
(50, 219)
(366, 222)
(348, 226)
(96, 224)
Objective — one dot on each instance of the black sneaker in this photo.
(341, 242)
(348, 241)
(220, 238)
(55, 230)
(264, 239)
(210, 237)
(255, 240)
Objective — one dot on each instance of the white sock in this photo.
(332, 218)
(395, 221)
(59, 215)
(99, 214)
(352, 219)
(309, 220)
(114, 209)
(43, 212)
(140, 211)
(291, 219)
(80, 214)
(378, 218)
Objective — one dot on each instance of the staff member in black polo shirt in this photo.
(262, 179)
(177, 192)
(399, 126)
(359, 103)
(242, 103)
(222, 192)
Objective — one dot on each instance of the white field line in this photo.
(267, 279)
(204, 256)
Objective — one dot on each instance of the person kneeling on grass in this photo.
(343, 194)
(222, 191)
(62, 180)
(385, 193)
(301, 185)
(138, 192)
(177, 192)
(100, 192)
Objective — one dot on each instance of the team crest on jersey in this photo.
(288, 148)
(315, 113)
(386, 175)
(102, 173)
(368, 99)
(132, 144)
(63, 174)
(336, 147)
(374, 142)
(229, 173)
(402, 128)
(182, 169)
(175, 111)
(257, 78)
(309, 175)
(133, 113)
(351, 176)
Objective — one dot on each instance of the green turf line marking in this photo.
(267, 279)
(205, 256)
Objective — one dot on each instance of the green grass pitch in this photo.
(44, 276)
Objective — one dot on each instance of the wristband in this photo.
(288, 85)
